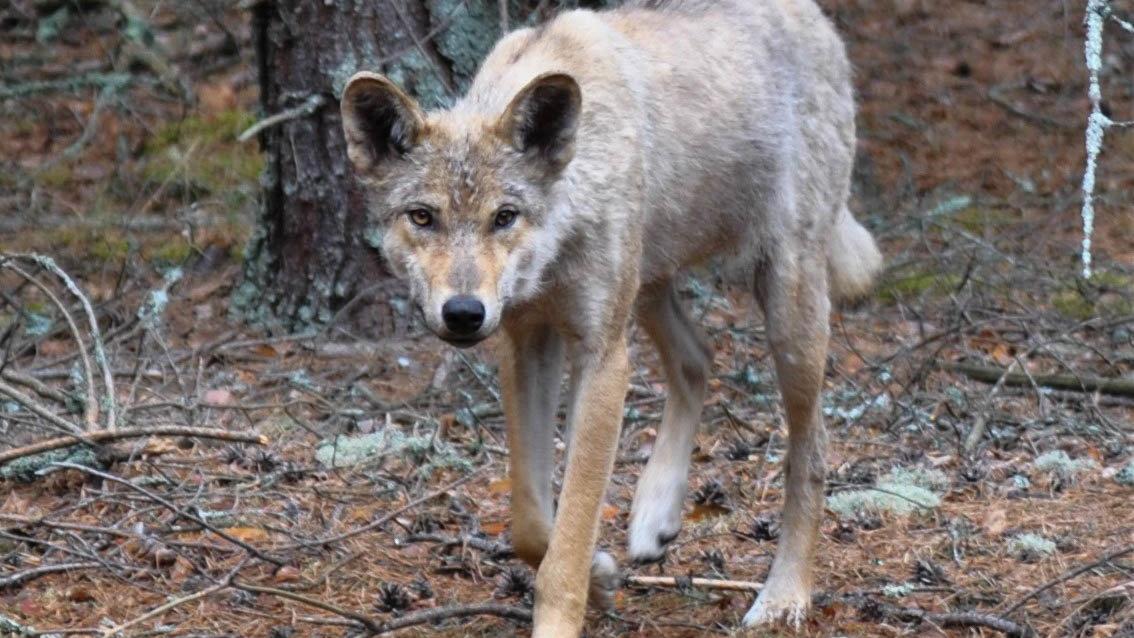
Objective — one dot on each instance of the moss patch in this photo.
(914, 282)
(200, 155)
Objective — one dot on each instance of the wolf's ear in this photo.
(379, 120)
(543, 117)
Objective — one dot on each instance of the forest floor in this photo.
(365, 482)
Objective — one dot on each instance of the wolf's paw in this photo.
(605, 581)
(775, 605)
(655, 517)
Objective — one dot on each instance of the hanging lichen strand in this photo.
(1097, 13)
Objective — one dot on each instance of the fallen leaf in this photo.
(286, 574)
(995, 521)
(80, 594)
(218, 396)
(493, 528)
(708, 510)
(248, 534)
(500, 485)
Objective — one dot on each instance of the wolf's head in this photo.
(466, 201)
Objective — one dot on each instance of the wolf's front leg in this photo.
(531, 370)
(571, 562)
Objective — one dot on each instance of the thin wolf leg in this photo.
(656, 513)
(531, 372)
(571, 562)
(793, 293)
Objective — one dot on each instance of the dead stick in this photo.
(177, 602)
(365, 621)
(36, 572)
(388, 517)
(34, 406)
(518, 614)
(175, 509)
(129, 433)
(961, 619)
(1068, 576)
(991, 374)
(702, 583)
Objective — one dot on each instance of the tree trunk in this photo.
(310, 251)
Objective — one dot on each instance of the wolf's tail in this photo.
(852, 258)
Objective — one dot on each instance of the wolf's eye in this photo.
(505, 217)
(420, 217)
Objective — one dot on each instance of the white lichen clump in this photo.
(347, 451)
(1058, 464)
(1125, 476)
(902, 491)
(1031, 547)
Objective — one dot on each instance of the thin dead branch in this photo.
(1119, 553)
(1081, 383)
(130, 433)
(21, 577)
(678, 582)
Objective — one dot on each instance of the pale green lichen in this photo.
(901, 492)
(928, 478)
(426, 452)
(1031, 546)
(900, 590)
(1125, 476)
(26, 469)
(1058, 464)
(151, 312)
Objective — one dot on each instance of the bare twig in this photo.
(91, 407)
(40, 411)
(428, 616)
(177, 602)
(313, 103)
(960, 619)
(493, 548)
(991, 374)
(43, 570)
(682, 583)
(1129, 549)
(49, 264)
(388, 517)
(367, 622)
(175, 509)
(129, 433)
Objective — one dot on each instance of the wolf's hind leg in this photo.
(656, 513)
(793, 292)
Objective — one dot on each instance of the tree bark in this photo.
(311, 247)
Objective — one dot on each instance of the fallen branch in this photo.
(367, 622)
(176, 510)
(35, 408)
(388, 517)
(43, 570)
(377, 628)
(177, 602)
(313, 103)
(685, 583)
(992, 374)
(492, 548)
(1129, 549)
(90, 407)
(429, 616)
(49, 264)
(960, 619)
(129, 433)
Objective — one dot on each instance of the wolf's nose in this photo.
(463, 315)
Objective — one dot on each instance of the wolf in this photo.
(593, 159)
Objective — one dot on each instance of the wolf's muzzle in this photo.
(463, 315)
